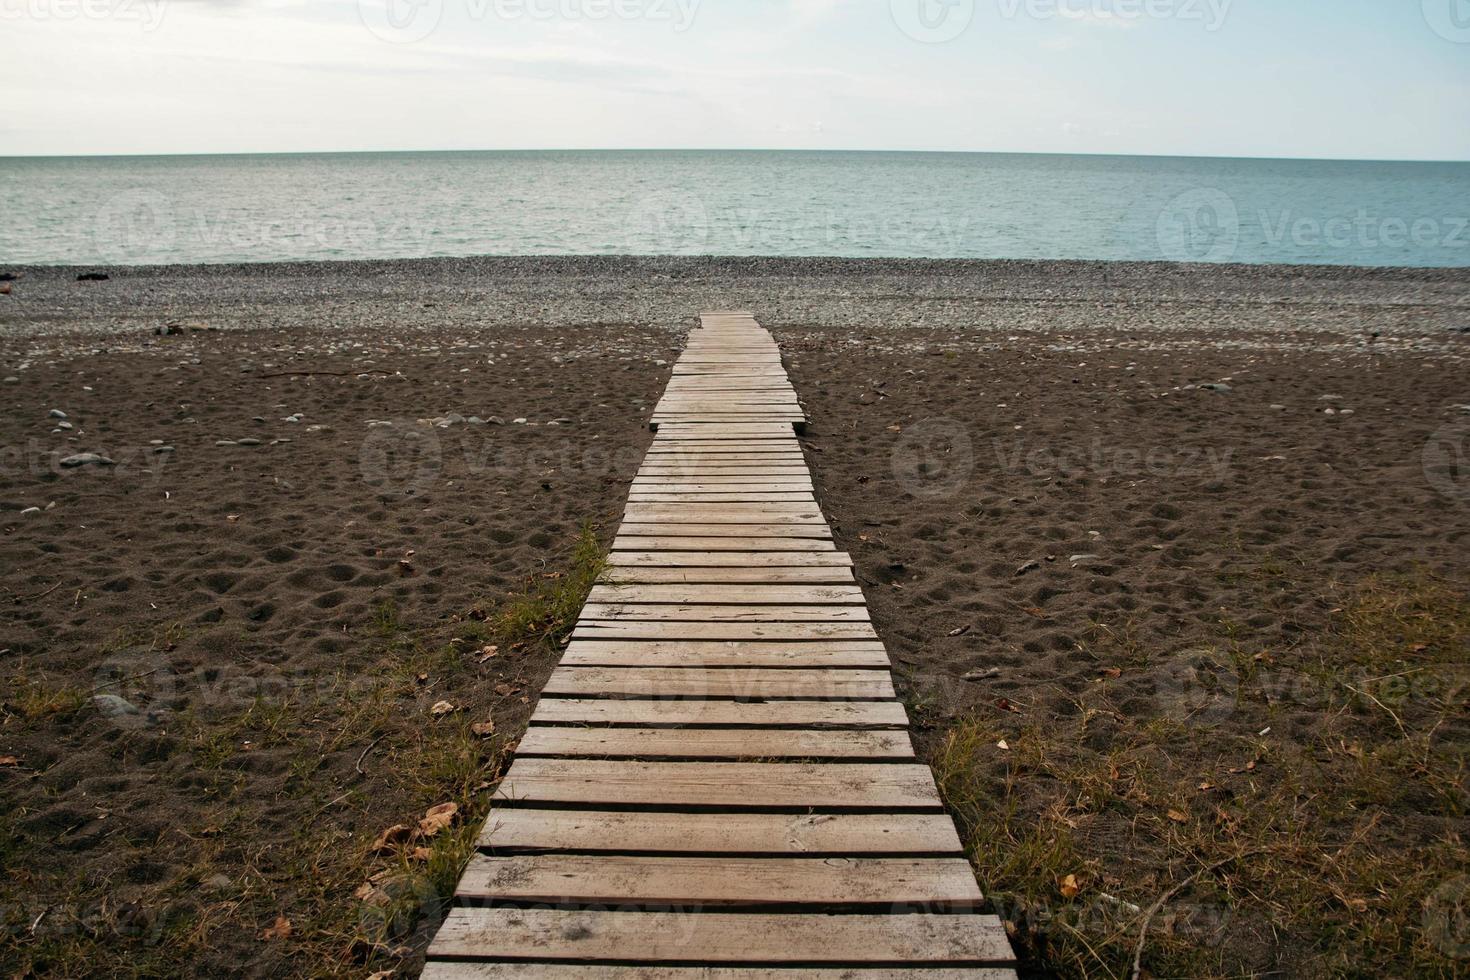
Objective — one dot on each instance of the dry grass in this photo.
(1337, 853)
(361, 751)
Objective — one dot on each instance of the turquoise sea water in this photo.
(107, 210)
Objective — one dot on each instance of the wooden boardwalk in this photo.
(718, 781)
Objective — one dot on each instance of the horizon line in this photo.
(719, 149)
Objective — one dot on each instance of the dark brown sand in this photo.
(1181, 610)
(280, 663)
(249, 603)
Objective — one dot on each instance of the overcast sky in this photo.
(1384, 79)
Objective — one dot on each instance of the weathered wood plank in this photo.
(715, 743)
(744, 543)
(747, 497)
(856, 654)
(456, 970)
(734, 937)
(792, 714)
(653, 612)
(715, 833)
(761, 594)
(746, 785)
(622, 575)
(667, 529)
(721, 515)
(684, 630)
(720, 880)
(693, 558)
(751, 682)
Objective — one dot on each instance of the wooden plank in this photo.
(792, 714)
(732, 937)
(752, 543)
(857, 654)
(748, 496)
(702, 513)
(695, 682)
(748, 473)
(650, 613)
(732, 430)
(668, 529)
(612, 629)
(720, 515)
(787, 456)
(524, 828)
(715, 743)
(723, 481)
(813, 558)
(622, 575)
(761, 594)
(610, 879)
(744, 785)
(457, 970)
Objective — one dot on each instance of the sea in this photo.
(336, 206)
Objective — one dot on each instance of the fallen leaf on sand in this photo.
(1178, 817)
(380, 975)
(438, 818)
(1004, 704)
(367, 890)
(441, 708)
(960, 630)
(483, 729)
(505, 690)
(9, 760)
(405, 568)
(487, 652)
(1113, 672)
(1003, 745)
(1069, 886)
(279, 929)
(1206, 786)
(391, 838)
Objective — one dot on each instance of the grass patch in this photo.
(350, 754)
(1334, 848)
(548, 609)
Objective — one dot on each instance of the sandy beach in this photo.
(1169, 558)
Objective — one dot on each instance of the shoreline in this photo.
(665, 292)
